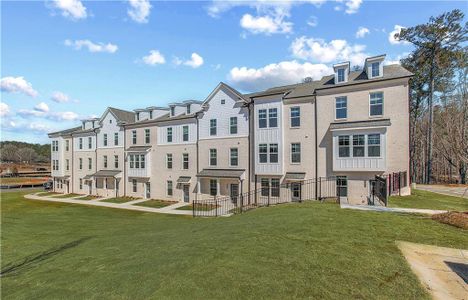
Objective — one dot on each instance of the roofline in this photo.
(375, 57)
(365, 82)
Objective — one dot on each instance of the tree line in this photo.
(438, 98)
(21, 152)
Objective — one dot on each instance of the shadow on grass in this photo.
(30, 261)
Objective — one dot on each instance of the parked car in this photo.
(48, 185)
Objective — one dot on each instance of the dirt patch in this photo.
(458, 219)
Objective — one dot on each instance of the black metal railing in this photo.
(297, 191)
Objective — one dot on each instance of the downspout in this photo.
(125, 163)
(198, 154)
(316, 147)
(249, 147)
(72, 164)
(95, 161)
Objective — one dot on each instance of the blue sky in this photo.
(65, 60)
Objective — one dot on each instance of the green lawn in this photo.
(429, 200)
(46, 194)
(306, 250)
(119, 199)
(154, 203)
(197, 207)
(89, 197)
(66, 196)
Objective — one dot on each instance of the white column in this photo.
(198, 185)
(218, 187)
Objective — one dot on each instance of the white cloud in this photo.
(63, 116)
(42, 107)
(92, 47)
(195, 61)
(60, 97)
(312, 21)
(4, 109)
(267, 24)
(352, 6)
(396, 60)
(154, 58)
(285, 72)
(72, 9)
(39, 127)
(328, 52)
(139, 10)
(16, 85)
(391, 36)
(362, 31)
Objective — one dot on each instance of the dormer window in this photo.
(341, 75)
(138, 116)
(151, 114)
(188, 109)
(375, 69)
(172, 111)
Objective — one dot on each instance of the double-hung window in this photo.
(268, 153)
(213, 157)
(116, 161)
(169, 160)
(213, 128)
(296, 153)
(234, 157)
(137, 161)
(275, 187)
(343, 146)
(188, 109)
(358, 145)
(67, 145)
(134, 137)
(376, 104)
(233, 125)
(90, 142)
(375, 69)
(213, 187)
(81, 163)
(147, 136)
(90, 163)
(185, 133)
(341, 75)
(169, 188)
(265, 187)
(273, 117)
(80, 143)
(105, 139)
(116, 139)
(134, 185)
(273, 153)
(262, 118)
(169, 134)
(142, 161)
(373, 145)
(341, 105)
(132, 161)
(105, 161)
(295, 116)
(263, 153)
(67, 164)
(185, 161)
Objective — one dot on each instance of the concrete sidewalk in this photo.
(393, 209)
(171, 209)
(456, 191)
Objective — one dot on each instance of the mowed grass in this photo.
(198, 207)
(429, 200)
(89, 197)
(154, 203)
(119, 200)
(67, 196)
(307, 250)
(47, 194)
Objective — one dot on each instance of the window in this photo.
(273, 153)
(105, 139)
(81, 184)
(185, 133)
(90, 163)
(188, 109)
(169, 134)
(273, 117)
(67, 145)
(90, 142)
(373, 145)
(116, 139)
(233, 125)
(376, 104)
(263, 153)
(341, 104)
(134, 185)
(213, 128)
(147, 136)
(213, 187)
(134, 137)
(275, 187)
(116, 161)
(132, 161)
(138, 116)
(375, 69)
(142, 163)
(137, 161)
(169, 187)
(358, 145)
(342, 186)
(172, 111)
(213, 157)
(80, 143)
(295, 116)
(67, 164)
(110, 122)
(81, 163)
(343, 146)
(234, 157)
(296, 152)
(265, 187)
(151, 114)
(223, 101)
(185, 161)
(105, 161)
(341, 75)
(169, 160)
(262, 118)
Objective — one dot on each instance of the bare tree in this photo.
(27, 155)
(9, 153)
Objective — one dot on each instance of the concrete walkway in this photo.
(171, 209)
(456, 191)
(393, 209)
(435, 267)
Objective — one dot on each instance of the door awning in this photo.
(221, 173)
(184, 179)
(106, 173)
(294, 176)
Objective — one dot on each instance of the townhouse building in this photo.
(350, 125)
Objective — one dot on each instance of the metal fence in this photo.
(379, 190)
(397, 181)
(297, 191)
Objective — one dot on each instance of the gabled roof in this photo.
(120, 114)
(64, 132)
(230, 89)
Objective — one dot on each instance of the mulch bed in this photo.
(458, 219)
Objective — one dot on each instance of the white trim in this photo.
(383, 105)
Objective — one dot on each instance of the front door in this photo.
(234, 192)
(295, 191)
(186, 190)
(148, 190)
(342, 186)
